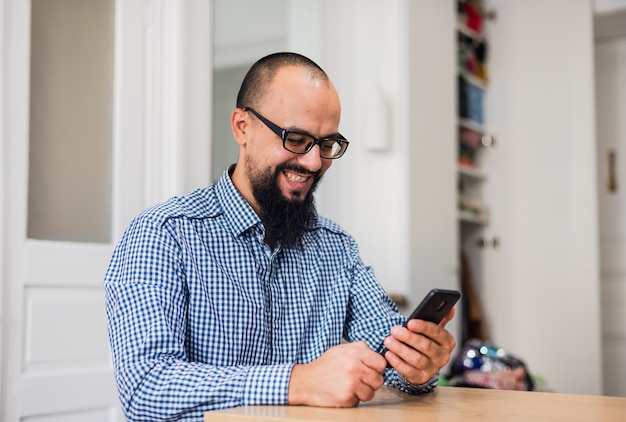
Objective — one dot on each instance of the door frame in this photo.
(3, 163)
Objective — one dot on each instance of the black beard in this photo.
(285, 219)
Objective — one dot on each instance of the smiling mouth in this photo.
(298, 181)
(295, 178)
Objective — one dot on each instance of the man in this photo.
(240, 294)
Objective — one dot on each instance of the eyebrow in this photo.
(304, 132)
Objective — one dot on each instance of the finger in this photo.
(375, 361)
(431, 331)
(372, 366)
(408, 348)
(365, 393)
(415, 375)
(417, 362)
(447, 318)
(430, 352)
(373, 378)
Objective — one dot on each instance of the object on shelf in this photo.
(471, 13)
(472, 56)
(470, 101)
(467, 155)
(470, 137)
(472, 207)
(469, 142)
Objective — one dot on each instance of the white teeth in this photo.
(295, 178)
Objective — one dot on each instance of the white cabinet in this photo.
(540, 287)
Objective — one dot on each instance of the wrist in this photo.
(295, 390)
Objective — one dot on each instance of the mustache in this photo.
(298, 169)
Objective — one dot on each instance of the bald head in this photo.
(261, 75)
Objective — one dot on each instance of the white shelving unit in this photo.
(472, 135)
(473, 141)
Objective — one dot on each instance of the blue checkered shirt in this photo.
(203, 315)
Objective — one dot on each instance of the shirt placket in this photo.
(267, 261)
(276, 305)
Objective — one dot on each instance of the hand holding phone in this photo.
(434, 307)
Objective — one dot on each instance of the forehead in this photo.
(297, 92)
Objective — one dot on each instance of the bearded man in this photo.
(241, 294)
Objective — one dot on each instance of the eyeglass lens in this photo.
(301, 143)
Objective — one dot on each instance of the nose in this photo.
(312, 161)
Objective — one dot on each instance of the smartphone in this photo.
(434, 307)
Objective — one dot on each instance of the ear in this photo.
(239, 125)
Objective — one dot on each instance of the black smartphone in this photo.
(434, 307)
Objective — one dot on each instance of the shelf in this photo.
(471, 172)
(471, 218)
(472, 125)
(472, 212)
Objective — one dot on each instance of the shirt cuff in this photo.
(267, 385)
(402, 384)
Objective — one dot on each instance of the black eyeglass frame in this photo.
(283, 134)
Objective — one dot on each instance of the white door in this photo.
(57, 212)
(610, 53)
(104, 107)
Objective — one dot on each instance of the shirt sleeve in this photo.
(371, 314)
(146, 302)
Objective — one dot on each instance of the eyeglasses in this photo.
(301, 143)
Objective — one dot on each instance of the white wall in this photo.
(366, 191)
(431, 135)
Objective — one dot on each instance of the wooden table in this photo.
(447, 404)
